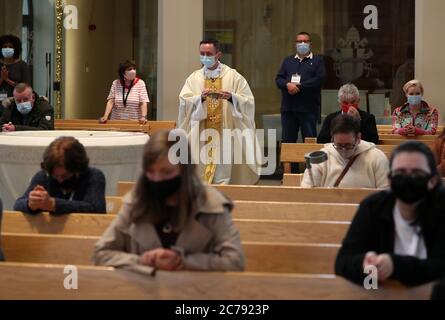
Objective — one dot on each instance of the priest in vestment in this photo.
(214, 99)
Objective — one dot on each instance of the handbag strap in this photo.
(345, 170)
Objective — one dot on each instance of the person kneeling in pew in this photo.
(66, 183)
(401, 231)
(351, 163)
(171, 220)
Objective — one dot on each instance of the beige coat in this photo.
(209, 241)
(370, 169)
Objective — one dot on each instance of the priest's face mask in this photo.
(209, 55)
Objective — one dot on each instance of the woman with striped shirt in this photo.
(128, 98)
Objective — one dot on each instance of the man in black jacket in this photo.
(26, 111)
(400, 233)
(349, 98)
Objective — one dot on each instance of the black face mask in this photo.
(68, 184)
(165, 188)
(410, 189)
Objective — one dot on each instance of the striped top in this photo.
(132, 111)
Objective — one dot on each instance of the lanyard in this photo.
(125, 97)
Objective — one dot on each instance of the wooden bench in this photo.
(393, 139)
(281, 210)
(274, 231)
(114, 125)
(78, 250)
(294, 180)
(396, 142)
(33, 281)
(294, 211)
(281, 194)
(387, 129)
(113, 204)
(386, 136)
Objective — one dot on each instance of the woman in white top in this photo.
(399, 233)
(128, 98)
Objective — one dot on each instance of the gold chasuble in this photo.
(213, 121)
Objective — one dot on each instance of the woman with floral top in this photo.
(415, 117)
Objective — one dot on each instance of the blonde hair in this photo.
(413, 83)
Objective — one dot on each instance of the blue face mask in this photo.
(414, 100)
(208, 61)
(24, 107)
(303, 48)
(8, 52)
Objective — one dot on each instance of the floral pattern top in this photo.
(425, 122)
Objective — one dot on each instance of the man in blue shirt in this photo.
(300, 79)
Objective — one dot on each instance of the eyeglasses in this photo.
(303, 41)
(345, 146)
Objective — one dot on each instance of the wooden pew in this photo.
(294, 211)
(295, 194)
(310, 140)
(114, 125)
(113, 204)
(292, 180)
(386, 136)
(396, 142)
(387, 129)
(287, 210)
(281, 194)
(274, 231)
(77, 250)
(133, 127)
(391, 139)
(32, 281)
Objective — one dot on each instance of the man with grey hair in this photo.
(349, 99)
(26, 111)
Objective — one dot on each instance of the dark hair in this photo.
(419, 147)
(65, 152)
(124, 66)
(215, 43)
(16, 43)
(344, 123)
(146, 204)
(303, 33)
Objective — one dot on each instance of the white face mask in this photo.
(130, 75)
(8, 52)
(347, 154)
